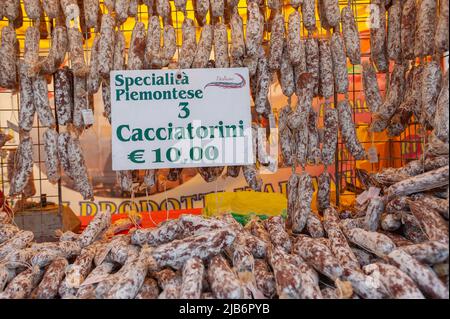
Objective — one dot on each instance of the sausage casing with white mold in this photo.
(351, 36)
(339, 63)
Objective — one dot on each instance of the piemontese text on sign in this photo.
(180, 118)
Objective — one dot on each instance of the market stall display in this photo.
(394, 234)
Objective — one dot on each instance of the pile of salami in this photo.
(398, 249)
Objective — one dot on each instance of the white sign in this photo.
(180, 118)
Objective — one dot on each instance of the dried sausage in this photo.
(91, 9)
(133, 8)
(332, 14)
(292, 197)
(371, 88)
(438, 204)
(191, 284)
(180, 5)
(419, 183)
(331, 124)
(121, 9)
(19, 241)
(130, 280)
(100, 222)
(441, 117)
(286, 137)
(78, 169)
(169, 44)
(27, 107)
(204, 47)
(313, 63)
(318, 256)
(252, 177)
(430, 252)
(339, 63)
(408, 29)
(188, 45)
(287, 276)
(175, 253)
(51, 8)
(23, 284)
(378, 50)
(264, 278)
(394, 45)
(426, 28)
(424, 277)
(31, 49)
(434, 226)
(286, 73)
(70, 9)
(164, 233)
(278, 235)
(396, 282)
(217, 8)
(391, 222)
(338, 243)
(412, 230)
(137, 47)
(373, 214)
(441, 37)
(8, 57)
(76, 52)
(237, 36)
(314, 153)
(221, 45)
(299, 121)
(377, 243)
(60, 45)
(80, 269)
(80, 103)
(351, 36)
(254, 29)
(41, 101)
(223, 281)
(348, 132)
(431, 87)
(163, 10)
(309, 15)
(323, 191)
(233, 171)
(64, 101)
(48, 287)
(51, 152)
(149, 289)
(106, 46)
(262, 86)
(314, 226)
(276, 42)
(87, 288)
(326, 80)
(201, 8)
(368, 287)
(152, 55)
(23, 166)
(296, 48)
(11, 9)
(93, 78)
(303, 203)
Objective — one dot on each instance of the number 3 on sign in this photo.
(184, 112)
